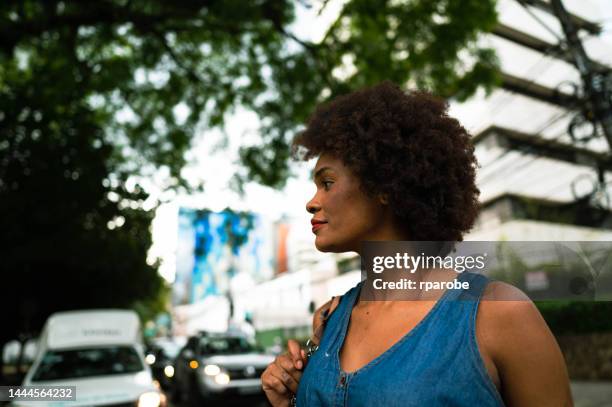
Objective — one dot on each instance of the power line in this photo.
(550, 51)
(593, 85)
(546, 125)
(508, 151)
(509, 98)
(545, 175)
(596, 84)
(557, 187)
(542, 23)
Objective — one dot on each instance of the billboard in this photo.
(215, 247)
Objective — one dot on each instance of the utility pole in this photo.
(596, 83)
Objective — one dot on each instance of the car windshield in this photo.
(170, 349)
(225, 346)
(78, 363)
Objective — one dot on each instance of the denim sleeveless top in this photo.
(437, 363)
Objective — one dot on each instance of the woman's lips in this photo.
(316, 225)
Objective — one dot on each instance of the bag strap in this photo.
(321, 317)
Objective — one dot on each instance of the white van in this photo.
(98, 351)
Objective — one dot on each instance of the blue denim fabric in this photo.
(436, 364)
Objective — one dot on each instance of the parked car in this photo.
(101, 353)
(215, 365)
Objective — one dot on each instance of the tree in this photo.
(168, 67)
(426, 44)
(95, 96)
(59, 245)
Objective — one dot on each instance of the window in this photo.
(225, 346)
(78, 363)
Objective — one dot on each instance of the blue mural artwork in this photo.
(222, 245)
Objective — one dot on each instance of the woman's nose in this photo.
(312, 206)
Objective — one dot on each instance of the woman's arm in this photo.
(526, 355)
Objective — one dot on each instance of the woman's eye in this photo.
(327, 185)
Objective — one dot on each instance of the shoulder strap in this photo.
(323, 316)
(478, 283)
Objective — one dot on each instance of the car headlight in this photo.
(150, 359)
(219, 375)
(149, 399)
(169, 371)
(212, 370)
(222, 378)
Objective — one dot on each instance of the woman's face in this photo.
(343, 215)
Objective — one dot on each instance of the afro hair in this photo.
(404, 146)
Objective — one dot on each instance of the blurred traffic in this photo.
(102, 353)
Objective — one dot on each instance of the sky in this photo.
(215, 167)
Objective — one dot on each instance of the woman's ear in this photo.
(383, 199)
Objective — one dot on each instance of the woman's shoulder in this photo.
(504, 307)
(501, 291)
(508, 323)
(513, 333)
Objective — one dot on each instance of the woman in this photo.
(394, 167)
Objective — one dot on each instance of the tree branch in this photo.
(14, 32)
(193, 76)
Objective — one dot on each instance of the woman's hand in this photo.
(281, 377)
(280, 380)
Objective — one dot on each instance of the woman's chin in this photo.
(327, 246)
(320, 246)
(323, 245)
